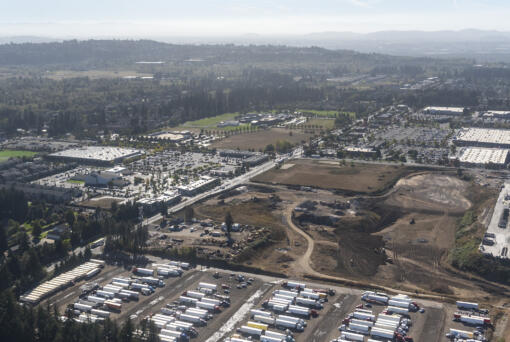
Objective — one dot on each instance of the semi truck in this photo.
(254, 312)
(180, 335)
(363, 316)
(194, 294)
(286, 293)
(167, 272)
(100, 313)
(96, 299)
(398, 310)
(82, 307)
(207, 286)
(472, 320)
(144, 271)
(257, 325)
(308, 302)
(285, 324)
(350, 336)
(105, 294)
(208, 306)
(359, 328)
(375, 298)
(460, 333)
(302, 311)
(113, 305)
(384, 333)
(192, 319)
(294, 285)
(187, 300)
(92, 273)
(199, 313)
(293, 319)
(153, 281)
(283, 337)
(264, 319)
(467, 305)
(246, 330)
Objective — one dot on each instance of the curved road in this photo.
(303, 264)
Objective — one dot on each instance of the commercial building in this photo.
(483, 157)
(204, 184)
(105, 178)
(496, 114)
(451, 111)
(256, 160)
(102, 155)
(483, 137)
(236, 153)
(152, 205)
(360, 151)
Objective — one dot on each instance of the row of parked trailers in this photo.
(392, 324)
(201, 305)
(50, 287)
(287, 309)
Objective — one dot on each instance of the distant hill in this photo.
(115, 53)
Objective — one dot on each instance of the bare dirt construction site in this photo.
(374, 226)
(349, 178)
(260, 139)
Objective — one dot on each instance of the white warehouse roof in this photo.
(483, 156)
(485, 136)
(99, 153)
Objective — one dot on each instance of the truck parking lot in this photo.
(244, 305)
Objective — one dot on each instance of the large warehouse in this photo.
(104, 155)
(483, 157)
(454, 111)
(483, 137)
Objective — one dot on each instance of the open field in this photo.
(326, 124)
(359, 178)
(210, 122)
(260, 139)
(6, 154)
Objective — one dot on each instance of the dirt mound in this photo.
(430, 192)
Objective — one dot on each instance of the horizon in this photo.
(210, 18)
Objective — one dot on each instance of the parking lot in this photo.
(247, 292)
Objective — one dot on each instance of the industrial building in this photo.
(483, 137)
(451, 111)
(152, 205)
(103, 155)
(496, 114)
(204, 184)
(483, 157)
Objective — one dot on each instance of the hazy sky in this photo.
(81, 18)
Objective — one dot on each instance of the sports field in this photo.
(6, 154)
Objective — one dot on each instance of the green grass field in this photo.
(6, 154)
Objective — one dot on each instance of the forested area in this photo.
(22, 261)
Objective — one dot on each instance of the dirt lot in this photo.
(358, 178)
(260, 139)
